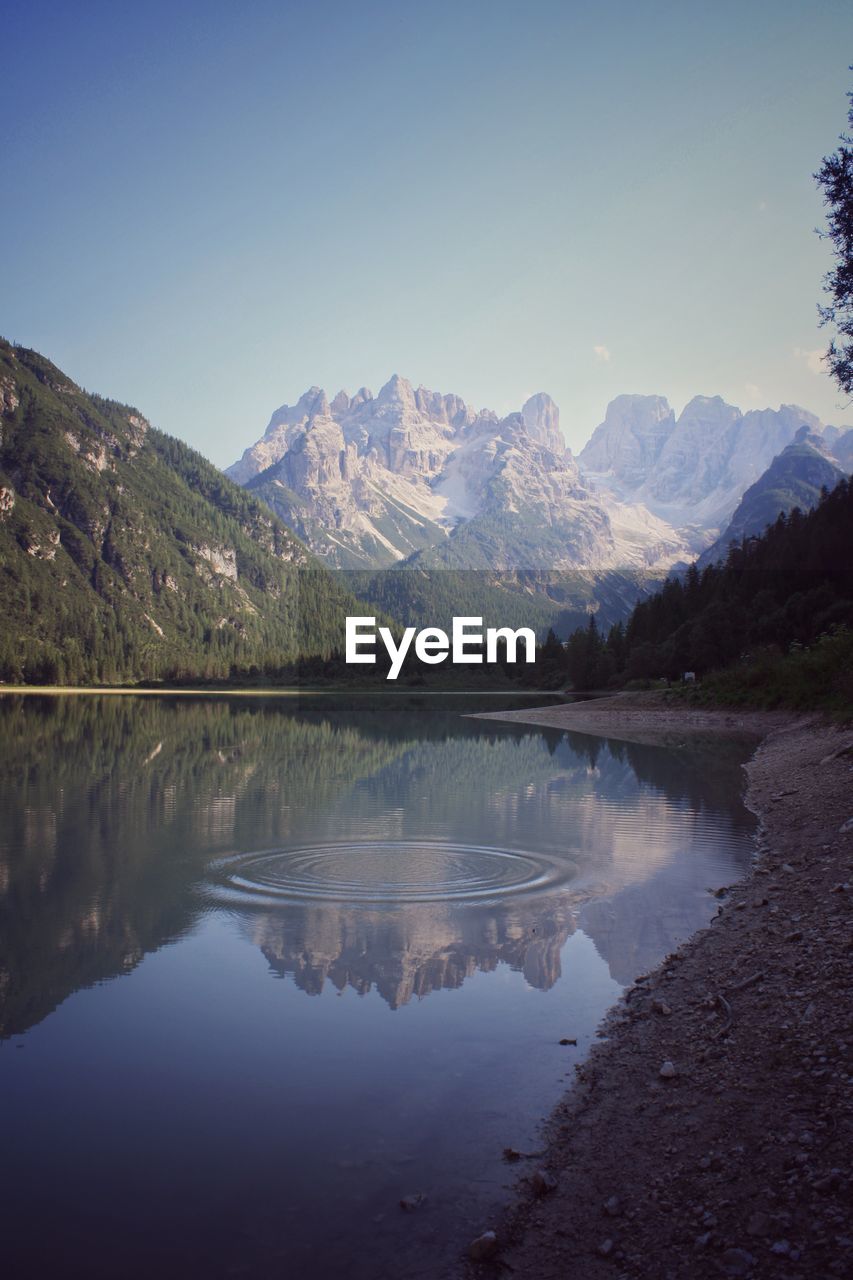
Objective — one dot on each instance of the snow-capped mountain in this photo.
(691, 471)
(371, 480)
(413, 475)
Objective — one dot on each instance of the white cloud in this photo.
(753, 391)
(602, 353)
(815, 360)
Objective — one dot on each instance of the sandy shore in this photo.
(709, 1133)
(644, 717)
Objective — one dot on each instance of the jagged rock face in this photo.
(372, 480)
(284, 426)
(842, 449)
(629, 441)
(542, 421)
(691, 471)
(417, 476)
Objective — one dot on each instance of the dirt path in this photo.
(734, 1159)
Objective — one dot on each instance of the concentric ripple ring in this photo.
(387, 872)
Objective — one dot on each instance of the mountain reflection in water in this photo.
(382, 846)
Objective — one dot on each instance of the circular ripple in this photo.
(393, 872)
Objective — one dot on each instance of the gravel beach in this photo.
(710, 1131)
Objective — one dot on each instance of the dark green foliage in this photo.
(817, 677)
(795, 478)
(776, 618)
(125, 555)
(537, 598)
(835, 177)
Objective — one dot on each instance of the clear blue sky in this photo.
(208, 207)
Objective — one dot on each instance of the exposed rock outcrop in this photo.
(369, 481)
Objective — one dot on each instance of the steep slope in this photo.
(778, 613)
(124, 554)
(628, 443)
(840, 444)
(691, 471)
(794, 479)
(420, 477)
(358, 478)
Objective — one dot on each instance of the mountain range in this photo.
(692, 470)
(125, 555)
(414, 478)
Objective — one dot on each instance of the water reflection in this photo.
(347, 837)
(344, 939)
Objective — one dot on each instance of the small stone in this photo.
(786, 866)
(780, 1246)
(566, 1040)
(542, 1182)
(484, 1247)
(668, 1070)
(511, 1155)
(660, 1006)
(737, 1262)
(846, 827)
(613, 1207)
(605, 1248)
(410, 1203)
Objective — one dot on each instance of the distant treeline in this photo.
(779, 610)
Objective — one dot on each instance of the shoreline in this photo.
(733, 1161)
(647, 718)
(270, 691)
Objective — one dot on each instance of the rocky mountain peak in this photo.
(806, 435)
(628, 442)
(397, 393)
(541, 418)
(709, 411)
(374, 480)
(692, 471)
(313, 403)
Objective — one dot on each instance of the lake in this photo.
(270, 965)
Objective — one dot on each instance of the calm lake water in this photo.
(267, 966)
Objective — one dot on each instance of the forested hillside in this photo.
(795, 478)
(125, 555)
(779, 610)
